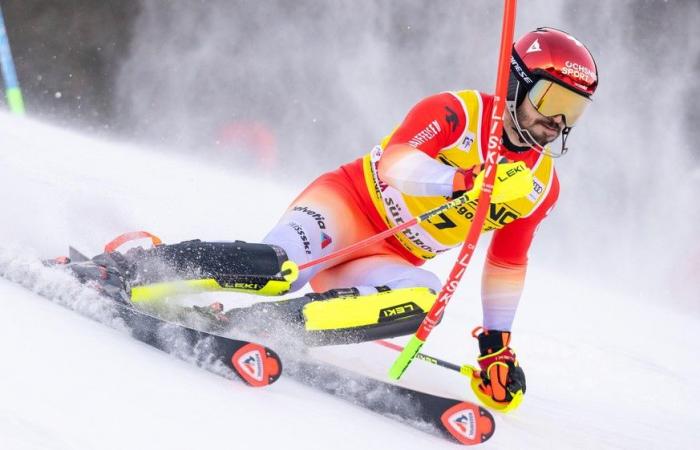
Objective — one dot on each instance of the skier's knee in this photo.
(418, 278)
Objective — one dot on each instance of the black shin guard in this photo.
(219, 260)
(240, 266)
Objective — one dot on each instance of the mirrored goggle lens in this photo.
(552, 99)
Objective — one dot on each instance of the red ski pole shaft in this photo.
(494, 146)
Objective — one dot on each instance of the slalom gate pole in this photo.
(12, 91)
(494, 148)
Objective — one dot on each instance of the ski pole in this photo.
(465, 369)
(12, 91)
(494, 146)
(515, 181)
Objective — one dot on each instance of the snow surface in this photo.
(603, 371)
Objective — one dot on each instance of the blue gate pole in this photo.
(12, 91)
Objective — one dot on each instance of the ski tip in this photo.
(468, 423)
(258, 366)
(76, 256)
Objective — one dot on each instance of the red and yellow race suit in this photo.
(394, 183)
(451, 128)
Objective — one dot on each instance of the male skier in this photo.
(433, 155)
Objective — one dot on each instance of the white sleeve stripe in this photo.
(418, 174)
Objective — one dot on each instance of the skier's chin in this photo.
(544, 137)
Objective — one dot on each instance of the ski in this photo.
(254, 364)
(452, 419)
(455, 420)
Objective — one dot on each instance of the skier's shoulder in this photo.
(459, 98)
(453, 109)
(475, 105)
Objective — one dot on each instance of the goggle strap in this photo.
(522, 76)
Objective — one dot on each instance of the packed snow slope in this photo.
(603, 371)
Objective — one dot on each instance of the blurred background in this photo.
(294, 88)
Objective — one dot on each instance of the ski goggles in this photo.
(552, 99)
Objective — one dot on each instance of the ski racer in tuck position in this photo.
(381, 291)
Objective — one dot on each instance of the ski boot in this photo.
(196, 266)
(107, 273)
(147, 276)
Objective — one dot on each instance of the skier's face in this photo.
(544, 129)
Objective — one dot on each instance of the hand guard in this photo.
(500, 384)
(463, 181)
